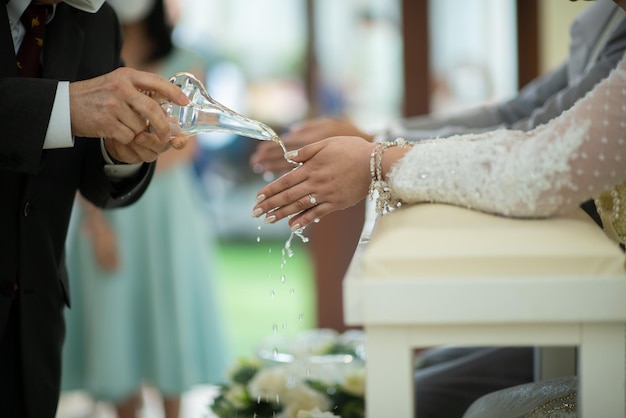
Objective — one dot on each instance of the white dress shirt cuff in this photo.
(59, 134)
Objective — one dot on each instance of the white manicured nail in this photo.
(290, 155)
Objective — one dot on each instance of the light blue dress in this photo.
(157, 319)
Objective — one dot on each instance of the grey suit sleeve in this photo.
(536, 104)
(522, 106)
(565, 98)
(515, 111)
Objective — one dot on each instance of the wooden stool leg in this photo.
(602, 371)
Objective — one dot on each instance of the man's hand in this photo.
(113, 106)
(145, 147)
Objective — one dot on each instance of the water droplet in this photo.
(273, 294)
(275, 328)
(268, 176)
(292, 291)
(300, 317)
(282, 278)
(258, 239)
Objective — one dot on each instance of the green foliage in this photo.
(344, 404)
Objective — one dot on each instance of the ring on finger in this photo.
(147, 124)
(312, 200)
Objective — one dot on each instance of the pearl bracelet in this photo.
(379, 189)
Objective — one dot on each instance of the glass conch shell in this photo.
(205, 114)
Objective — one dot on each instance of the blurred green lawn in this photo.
(255, 299)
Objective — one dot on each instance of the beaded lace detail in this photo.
(576, 156)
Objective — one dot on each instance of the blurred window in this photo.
(473, 53)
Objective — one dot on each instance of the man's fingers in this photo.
(161, 87)
(149, 109)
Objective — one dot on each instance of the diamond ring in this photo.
(312, 200)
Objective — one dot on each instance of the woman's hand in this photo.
(334, 174)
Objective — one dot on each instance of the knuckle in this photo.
(290, 194)
(302, 204)
(124, 72)
(115, 85)
(125, 137)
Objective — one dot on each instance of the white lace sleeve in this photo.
(527, 174)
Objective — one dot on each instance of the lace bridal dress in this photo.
(576, 156)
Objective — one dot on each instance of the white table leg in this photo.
(389, 384)
(602, 371)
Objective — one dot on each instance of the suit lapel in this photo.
(63, 46)
(7, 50)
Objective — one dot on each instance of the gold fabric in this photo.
(611, 206)
(564, 406)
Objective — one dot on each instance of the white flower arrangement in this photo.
(316, 386)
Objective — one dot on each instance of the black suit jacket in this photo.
(38, 188)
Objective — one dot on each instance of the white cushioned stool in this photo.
(434, 274)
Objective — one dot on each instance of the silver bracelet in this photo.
(379, 189)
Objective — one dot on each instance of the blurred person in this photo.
(72, 120)
(451, 378)
(145, 309)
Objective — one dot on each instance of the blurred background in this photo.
(373, 61)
